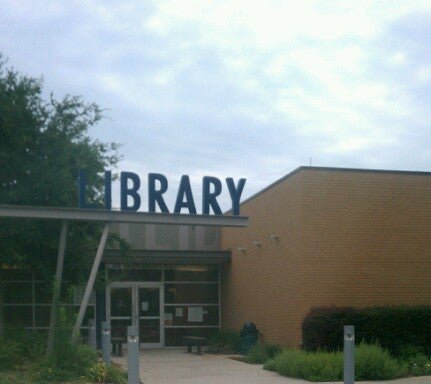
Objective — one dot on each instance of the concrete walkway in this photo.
(176, 366)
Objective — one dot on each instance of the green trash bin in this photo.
(249, 335)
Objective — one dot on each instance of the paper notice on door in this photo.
(195, 314)
(144, 306)
(179, 312)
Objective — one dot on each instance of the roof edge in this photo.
(331, 169)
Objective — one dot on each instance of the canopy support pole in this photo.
(57, 286)
(90, 283)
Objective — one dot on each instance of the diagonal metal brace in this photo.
(90, 283)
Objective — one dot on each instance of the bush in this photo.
(10, 354)
(374, 363)
(71, 362)
(68, 360)
(392, 327)
(319, 366)
(18, 346)
(101, 373)
(260, 353)
(224, 341)
(417, 363)
(371, 363)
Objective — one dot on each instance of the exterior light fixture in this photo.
(257, 243)
(274, 237)
(242, 249)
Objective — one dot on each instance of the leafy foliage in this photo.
(18, 346)
(224, 341)
(371, 363)
(43, 144)
(392, 327)
(102, 373)
(261, 353)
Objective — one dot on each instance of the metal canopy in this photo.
(108, 217)
(102, 215)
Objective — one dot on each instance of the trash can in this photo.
(249, 334)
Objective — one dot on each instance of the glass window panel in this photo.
(42, 293)
(191, 293)
(174, 337)
(70, 313)
(135, 273)
(18, 293)
(16, 274)
(191, 273)
(18, 316)
(121, 301)
(149, 330)
(149, 302)
(43, 314)
(178, 315)
(119, 327)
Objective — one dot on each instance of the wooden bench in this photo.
(195, 341)
(117, 345)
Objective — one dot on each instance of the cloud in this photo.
(238, 88)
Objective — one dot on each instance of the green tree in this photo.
(43, 144)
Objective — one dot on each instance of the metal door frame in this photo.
(135, 310)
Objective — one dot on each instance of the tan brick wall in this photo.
(346, 238)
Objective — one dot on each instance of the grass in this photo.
(261, 353)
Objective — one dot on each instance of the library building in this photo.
(316, 237)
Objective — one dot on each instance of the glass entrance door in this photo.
(121, 309)
(149, 300)
(138, 304)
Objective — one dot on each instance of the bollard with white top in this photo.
(349, 354)
(132, 355)
(106, 343)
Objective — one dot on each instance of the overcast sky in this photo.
(238, 88)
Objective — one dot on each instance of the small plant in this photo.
(101, 373)
(224, 342)
(261, 353)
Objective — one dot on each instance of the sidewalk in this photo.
(175, 366)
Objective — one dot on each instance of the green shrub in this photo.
(32, 343)
(68, 360)
(392, 327)
(224, 341)
(374, 363)
(417, 363)
(371, 363)
(10, 354)
(318, 366)
(101, 373)
(20, 345)
(260, 353)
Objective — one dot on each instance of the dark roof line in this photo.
(332, 169)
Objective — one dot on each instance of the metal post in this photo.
(92, 333)
(349, 354)
(90, 282)
(57, 286)
(132, 355)
(106, 343)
